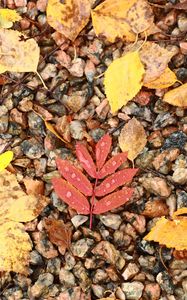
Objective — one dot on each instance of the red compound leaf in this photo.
(112, 201)
(102, 150)
(112, 165)
(71, 196)
(74, 176)
(114, 181)
(86, 160)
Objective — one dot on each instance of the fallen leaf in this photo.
(15, 245)
(102, 150)
(166, 79)
(132, 138)
(50, 127)
(155, 60)
(177, 96)
(5, 159)
(17, 55)
(123, 80)
(7, 17)
(85, 159)
(68, 17)
(35, 187)
(181, 211)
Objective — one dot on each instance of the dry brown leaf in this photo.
(68, 17)
(15, 245)
(132, 138)
(50, 127)
(35, 187)
(59, 233)
(166, 79)
(177, 97)
(155, 60)
(17, 55)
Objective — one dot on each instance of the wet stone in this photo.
(133, 290)
(41, 285)
(111, 220)
(66, 278)
(81, 247)
(32, 148)
(53, 266)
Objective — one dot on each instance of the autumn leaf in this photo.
(68, 18)
(132, 138)
(7, 17)
(166, 79)
(51, 128)
(123, 80)
(17, 55)
(177, 96)
(102, 150)
(5, 159)
(171, 233)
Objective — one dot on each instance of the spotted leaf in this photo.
(112, 165)
(86, 160)
(71, 196)
(102, 150)
(112, 201)
(114, 181)
(74, 176)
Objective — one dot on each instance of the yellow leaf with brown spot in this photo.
(15, 245)
(17, 55)
(166, 79)
(155, 59)
(132, 138)
(172, 233)
(5, 159)
(123, 80)
(68, 17)
(7, 17)
(177, 96)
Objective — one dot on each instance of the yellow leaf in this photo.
(15, 204)
(180, 211)
(17, 55)
(50, 127)
(109, 20)
(123, 80)
(155, 60)
(70, 17)
(5, 159)
(15, 245)
(132, 138)
(7, 17)
(173, 234)
(166, 79)
(177, 97)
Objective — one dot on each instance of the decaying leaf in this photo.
(17, 55)
(15, 245)
(177, 96)
(5, 159)
(59, 233)
(51, 128)
(171, 233)
(123, 80)
(166, 79)
(68, 17)
(155, 60)
(132, 138)
(7, 17)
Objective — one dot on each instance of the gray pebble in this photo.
(133, 290)
(53, 265)
(78, 220)
(77, 130)
(81, 247)
(66, 278)
(32, 148)
(130, 271)
(41, 285)
(111, 220)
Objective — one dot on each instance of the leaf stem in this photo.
(44, 85)
(93, 202)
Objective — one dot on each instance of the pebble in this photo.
(165, 282)
(181, 199)
(106, 251)
(111, 220)
(41, 285)
(49, 71)
(175, 140)
(155, 208)
(78, 220)
(182, 23)
(82, 275)
(53, 266)
(77, 68)
(100, 276)
(44, 246)
(81, 247)
(69, 261)
(133, 290)
(131, 270)
(152, 291)
(36, 258)
(77, 130)
(32, 148)
(90, 70)
(98, 290)
(3, 110)
(4, 124)
(156, 185)
(36, 124)
(180, 176)
(66, 278)
(75, 102)
(137, 221)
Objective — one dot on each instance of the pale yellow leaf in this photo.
(17, 55)
(166, 79)
(132, 138)
(7, 17)
(15, 204)
(5, 159)
(177, 96)
(123, 80)
(15, 245)
(68, 17)
(180, 211)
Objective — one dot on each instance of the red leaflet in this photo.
(102, 150)
(112, 201)
(114, 181)
(71, 196)
(112, 165)
(74, 176)
(86, 160)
